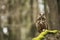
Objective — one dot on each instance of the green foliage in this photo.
(42, 34)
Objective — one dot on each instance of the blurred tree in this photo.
(22, 15)
(52, 14)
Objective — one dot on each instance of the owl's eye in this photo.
(39, 19)
(43, 18)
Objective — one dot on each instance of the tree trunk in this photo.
(51, 10)
(52, 14)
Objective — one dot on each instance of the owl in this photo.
(41, 23)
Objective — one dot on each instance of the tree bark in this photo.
(52, 17)
(52, 14)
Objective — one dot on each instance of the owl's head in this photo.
(41, 23)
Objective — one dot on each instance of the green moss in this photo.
(42, 34)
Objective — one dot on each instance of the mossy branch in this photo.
(42, 34)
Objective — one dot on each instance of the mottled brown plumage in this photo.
(41, 23)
